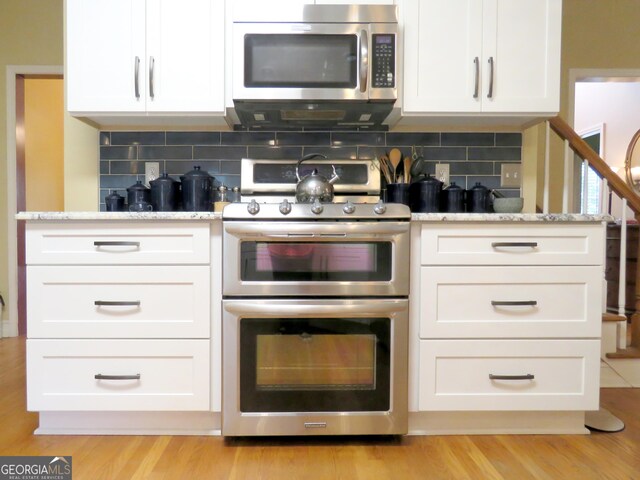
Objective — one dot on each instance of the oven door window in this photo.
(314, 365)
(316, 262)
(300, 61)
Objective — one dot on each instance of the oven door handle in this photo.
(281, 309)
(361, 230)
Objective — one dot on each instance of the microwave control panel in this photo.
(383, 63)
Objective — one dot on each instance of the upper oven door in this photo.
(316, 258)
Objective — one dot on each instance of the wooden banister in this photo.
(578, 145)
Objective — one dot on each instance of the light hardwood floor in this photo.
(596, 456)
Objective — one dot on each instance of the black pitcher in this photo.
(164, 193)
(138, 194)
(196, 190)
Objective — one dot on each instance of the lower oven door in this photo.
(315, 367)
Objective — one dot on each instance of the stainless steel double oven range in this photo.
(315, 308)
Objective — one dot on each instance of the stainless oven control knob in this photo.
(285, 207)
(349, 207)
(380, 208)
(317, 207)
(253, 207)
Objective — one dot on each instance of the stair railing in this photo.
(630, 199)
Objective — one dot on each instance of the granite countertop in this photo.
(119, 216)
(417, 217)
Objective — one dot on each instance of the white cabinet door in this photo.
(470, 56)
(105, 55)
(142, 56)
(185, 55)
(442, 48)
(523, 39)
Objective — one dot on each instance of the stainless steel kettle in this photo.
(314, 186)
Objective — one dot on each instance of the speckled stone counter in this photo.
(416, 217)
(509, 217)
(60, 216)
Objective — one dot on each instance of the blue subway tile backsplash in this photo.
(472, 156)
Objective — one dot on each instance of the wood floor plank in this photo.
(496, 457)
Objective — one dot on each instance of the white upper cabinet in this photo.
(105, 55)
(495, 56)
(145, 56)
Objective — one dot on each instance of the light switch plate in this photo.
(510, 175)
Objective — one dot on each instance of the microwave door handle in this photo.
(364, 60)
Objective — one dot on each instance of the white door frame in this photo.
(11, 324)
(591, 75)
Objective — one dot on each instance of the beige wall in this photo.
(596, 34)
(44, 144)
(30, 34)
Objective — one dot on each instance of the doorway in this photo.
(35, 167)
(602, 99)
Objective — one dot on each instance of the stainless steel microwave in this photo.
(319, 63)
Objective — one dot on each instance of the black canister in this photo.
(138, 194)
(196, 190)
(424, 194)
(114, 202)
(164, 193)
(478, 199)
(452, 199)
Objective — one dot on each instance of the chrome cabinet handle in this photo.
(528, 376)
(521, 303)
(116, 244)
(476, 62)
(100, 376)
(136, 77)
(151, 67)
(490, 94)
(364, 60)
(109, 303)
(514, 244)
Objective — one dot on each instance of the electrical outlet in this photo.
(510, 175)
(151, 171)
(442, 172)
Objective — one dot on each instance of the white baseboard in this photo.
(9, 329)
(129, 423)
(497, 423)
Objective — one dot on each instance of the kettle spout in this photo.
(335, 176)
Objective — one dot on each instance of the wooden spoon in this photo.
(395, 156)
(407, 167)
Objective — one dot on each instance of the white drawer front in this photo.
(508, 244)
(104, 243)
(151, 302)
(476, 302)
(454, 375)
(174, 375)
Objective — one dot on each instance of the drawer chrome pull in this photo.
(100, 376)
(528, 376)
(116, 244)
(107, 303)
(514, 244)
(517, 303)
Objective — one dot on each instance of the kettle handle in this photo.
(309, 157)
